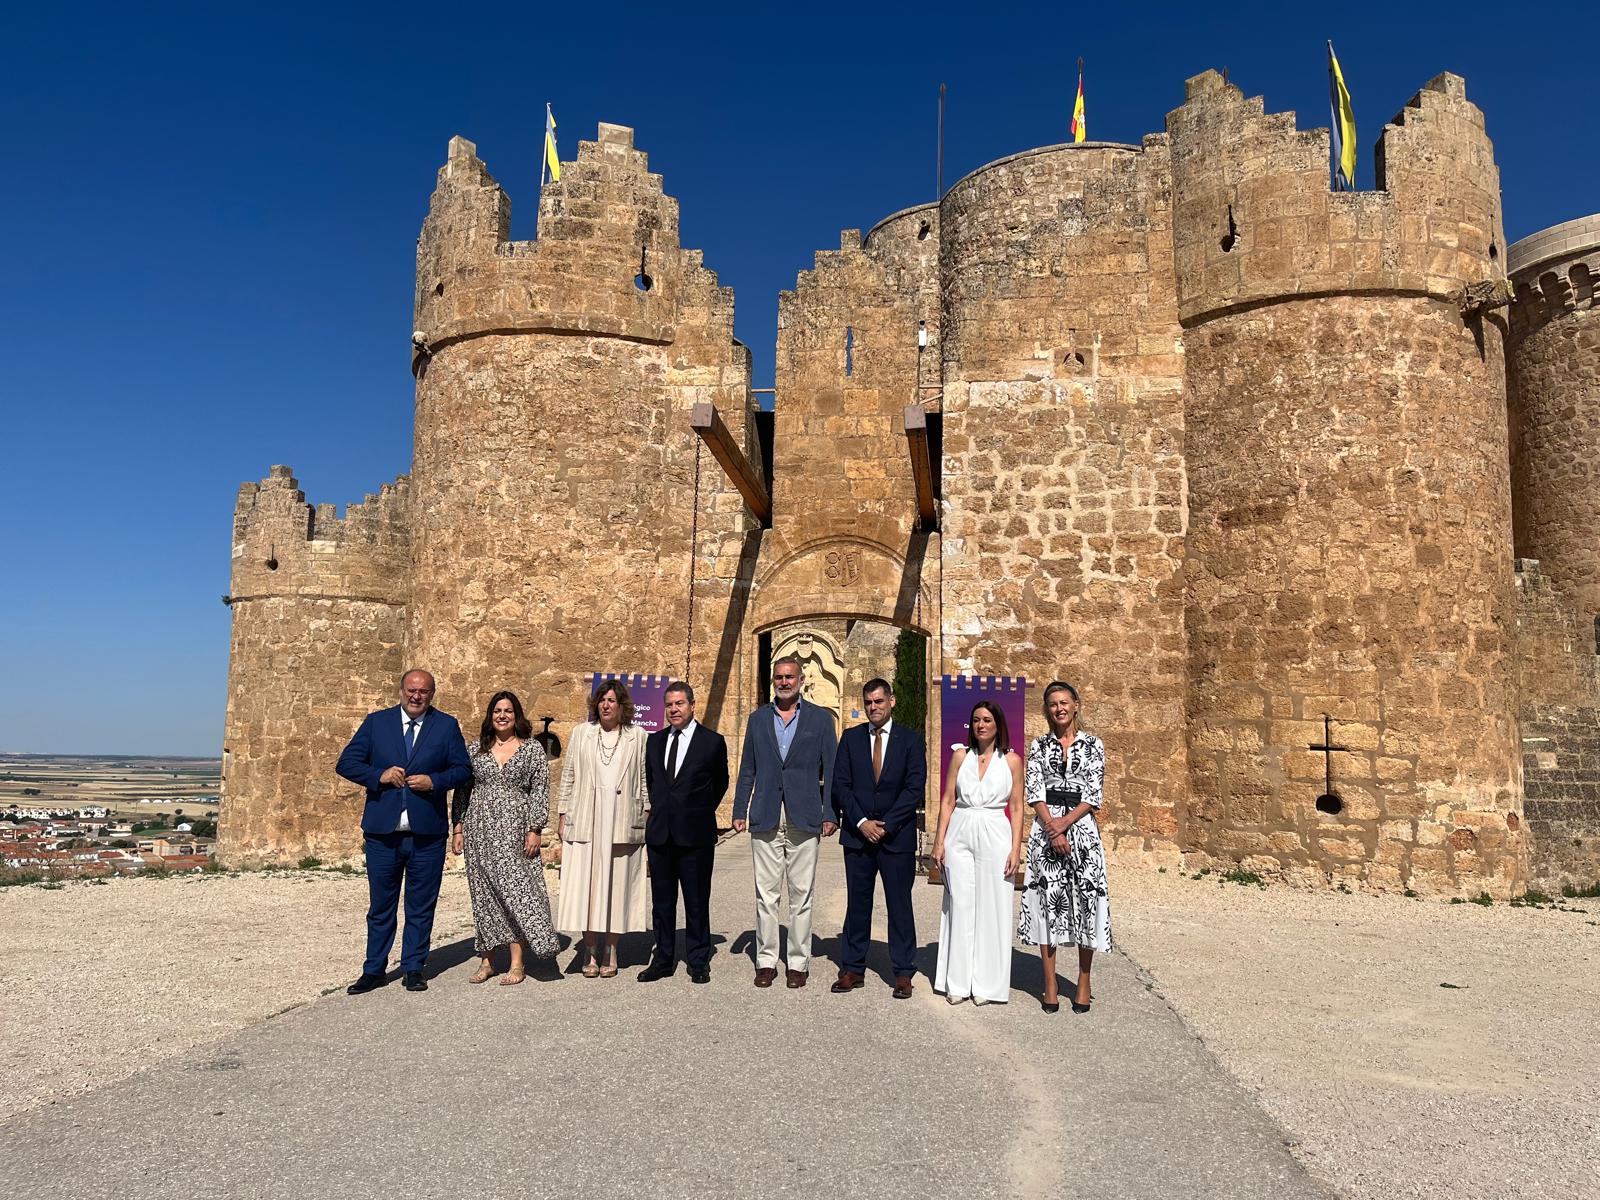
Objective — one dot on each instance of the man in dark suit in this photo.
(686, 775)
(408, 757)
(878, 780)
(782, 796)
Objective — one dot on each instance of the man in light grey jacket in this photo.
(784, 775)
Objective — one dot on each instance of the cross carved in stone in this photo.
(1328, 801)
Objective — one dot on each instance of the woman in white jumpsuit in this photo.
(977, 849)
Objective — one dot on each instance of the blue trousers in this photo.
(418, 861)
(862, 867)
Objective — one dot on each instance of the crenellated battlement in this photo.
(606, 262)
(1255, 219)
(1554, 272)
(283, 546)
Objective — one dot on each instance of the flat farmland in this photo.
(126, 784)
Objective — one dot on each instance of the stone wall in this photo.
(1554, 363)
(1349, 548)
(1559, 686)
(1063, 456)
(318, 607)
(556, 474)
(1220, 445)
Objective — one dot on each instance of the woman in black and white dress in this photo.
(1064, 900)
(497, 822)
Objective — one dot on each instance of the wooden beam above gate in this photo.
(916, 419)
(709, 425)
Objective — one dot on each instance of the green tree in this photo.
(911, 681)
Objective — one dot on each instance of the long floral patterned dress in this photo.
(509, 900)
(1064, 898)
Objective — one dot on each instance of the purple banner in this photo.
(958, 693)
(648, 693)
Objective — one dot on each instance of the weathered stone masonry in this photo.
(1221, 445)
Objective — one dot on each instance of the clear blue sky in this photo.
(210, 217)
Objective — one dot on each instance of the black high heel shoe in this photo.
(1080, 1008)
(1049, 1007)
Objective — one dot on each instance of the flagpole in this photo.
(1333, 124)
(938, 179)
(544, 154)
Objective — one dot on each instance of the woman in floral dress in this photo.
(1064, 900)
(497, 821)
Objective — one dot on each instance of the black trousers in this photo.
(673, 869)
(862, 868)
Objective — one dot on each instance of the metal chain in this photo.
(694, 541)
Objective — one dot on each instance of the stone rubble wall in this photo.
(1063, 457)
(1349, 540)
(555, 466)
(318, 607)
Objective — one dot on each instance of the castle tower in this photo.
(1554, 362)
(556, 472)
(1349, 549)
(1554, 368)
(318, 606)
(1063, 444)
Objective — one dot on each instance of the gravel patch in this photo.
(98, 981)
(1412, 1048)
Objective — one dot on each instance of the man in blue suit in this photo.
(789, 747)
(878, 778)
(408, 757)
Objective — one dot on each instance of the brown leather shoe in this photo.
(848, 981)
(902, 987)
(765, 976)
(797, 979)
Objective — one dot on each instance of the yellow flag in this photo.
(551, 161)
(1080, 127)
(1344, 126)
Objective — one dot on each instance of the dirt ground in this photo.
(98, 981)
(1411, 1048)
(1333, 1009)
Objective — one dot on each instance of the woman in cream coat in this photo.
(601, 827)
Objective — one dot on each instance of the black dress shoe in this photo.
(366, 983)
(699, 974)
(414, 982)
(1079, 1008)
(657, 970)
(1048, 1006)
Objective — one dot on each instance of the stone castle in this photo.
(1263, 467)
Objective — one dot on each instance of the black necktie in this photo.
(672, 756)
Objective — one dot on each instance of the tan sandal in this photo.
(591, 968)
(513, 977)
(485, 973)
(609, 971)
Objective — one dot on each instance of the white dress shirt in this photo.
(685, 736)
(406, 722)
(887, 725)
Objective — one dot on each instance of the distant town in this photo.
(65, 817)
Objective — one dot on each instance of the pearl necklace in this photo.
(600, 739)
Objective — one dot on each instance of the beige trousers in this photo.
(785, 859)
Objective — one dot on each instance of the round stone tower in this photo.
(1554, 362)
(563, 513)
(1350, 579)
(1063, 442)
(318, 605)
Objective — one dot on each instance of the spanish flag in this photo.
(1343, 125)
(1080, 127)
(551, 162)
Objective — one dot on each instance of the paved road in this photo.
(572, 1087)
